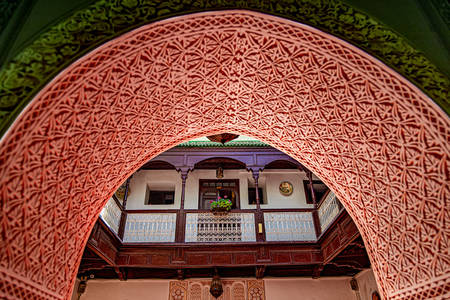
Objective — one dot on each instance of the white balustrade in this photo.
(150, 227)
(289, 226)
(111, 214)
(328, 210)
(231, 227)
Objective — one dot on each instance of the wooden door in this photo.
(211, 189)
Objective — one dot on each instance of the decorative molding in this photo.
(438, 288)
(13, 286)
(104, 20)
(378, 142)
(178, 290)
(253, 159)
(206, 144)
(232, 290)
(256, 290)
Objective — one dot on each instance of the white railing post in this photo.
(111, 215)
(150, 228)
(328, 210)
(289, 226)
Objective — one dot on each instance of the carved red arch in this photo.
(375, 139)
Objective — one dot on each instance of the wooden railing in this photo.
(328, 210)
(150, 228)
(201, 226)
(289, 226)
(111, 215)
(231, 227)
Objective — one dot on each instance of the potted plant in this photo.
(221, 205)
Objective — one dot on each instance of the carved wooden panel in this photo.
(239, 289)
(255, 290)
(178, 290)
(377, 141)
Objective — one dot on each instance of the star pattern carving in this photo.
(378, 142)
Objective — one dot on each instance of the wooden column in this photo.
(181, 216)
(259, 217)
(184, 175)
(123, 216)
(256, 178)
(311, 188)
(315, 213)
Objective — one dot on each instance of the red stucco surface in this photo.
(378, 142)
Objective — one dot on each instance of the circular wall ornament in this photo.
(286, 188)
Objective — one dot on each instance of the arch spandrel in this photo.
(375, 139)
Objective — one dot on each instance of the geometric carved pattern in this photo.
(238, 291)
(178, 290)
(195, 291)
(232, 290)
(378, 142)
(255, 289)
(17, 287)
(64, 43)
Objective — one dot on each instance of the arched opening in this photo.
(158, 165)
(369, 134)
(281, 164)
(191, 241)
(223, 162)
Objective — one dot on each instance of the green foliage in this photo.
(88, 28)
(222, 204)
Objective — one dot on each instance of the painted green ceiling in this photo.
(411, 36)
(421, 22)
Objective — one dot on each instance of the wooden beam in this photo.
(121, 273)
(259, 271)
(104, 243)
(338, 237)
(110, 261)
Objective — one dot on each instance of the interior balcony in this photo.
(170, 231)
(177, 226)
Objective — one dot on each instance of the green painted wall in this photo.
(33, 18)
(416, 20)
(44, 36)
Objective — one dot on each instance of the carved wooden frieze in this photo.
(233, 289)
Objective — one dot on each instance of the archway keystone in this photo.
(375, 139)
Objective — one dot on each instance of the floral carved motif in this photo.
(198, 289)
(178, 290)
(377, 141)
(103, 20)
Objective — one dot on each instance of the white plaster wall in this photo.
(192, 184)
(269, 180)
(75, 290)
(334, 288)
(158, 180)
(136, 289)
(367, 284)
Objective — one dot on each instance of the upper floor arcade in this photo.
(283, 221)
(274, 198)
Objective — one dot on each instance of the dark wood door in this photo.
(211, 189)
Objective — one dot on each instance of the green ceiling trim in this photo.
(104, 20)
(231, 144)
(443, 9)
(7, 9)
